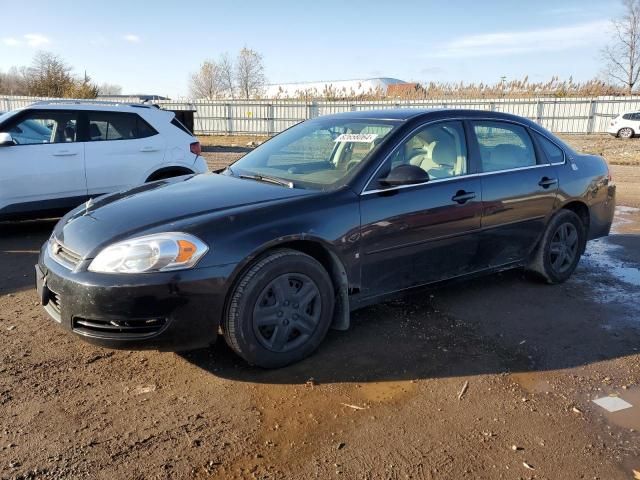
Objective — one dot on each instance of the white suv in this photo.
(56, 155)
(625, 125)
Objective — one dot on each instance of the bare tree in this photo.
(623, 55)
(227, 75)
(206, 82)
(250, 73)
(109, 89)
(12, 82)
(48, 76)
(83, 88)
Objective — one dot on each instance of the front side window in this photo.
(439, 149)
(320, 154)
(38, 128)
(503, 146)
(117, 126)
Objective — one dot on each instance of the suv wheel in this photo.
(280, 310)
(625, 132)
(560, 248)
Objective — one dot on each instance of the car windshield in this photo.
(318, 154)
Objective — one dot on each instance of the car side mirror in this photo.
(6, 140)
(405, 175)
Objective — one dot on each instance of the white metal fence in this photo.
(266, 117)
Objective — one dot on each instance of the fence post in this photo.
(271, 125)
(592, 117)
(229, 119)
(539, 112)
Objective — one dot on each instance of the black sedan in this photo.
(329, 216)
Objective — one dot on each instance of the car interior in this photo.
(439, 150)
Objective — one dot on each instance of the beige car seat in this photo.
(439, 158)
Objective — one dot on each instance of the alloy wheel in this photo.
(625, 133)
(564, 247)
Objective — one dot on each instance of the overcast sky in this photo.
(151, 47)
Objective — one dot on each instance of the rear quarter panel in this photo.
(585, 178)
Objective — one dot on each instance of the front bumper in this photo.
(172, 311)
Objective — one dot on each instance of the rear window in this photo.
(104, 126)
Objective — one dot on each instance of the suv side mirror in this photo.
(405, 175)
(6, 140)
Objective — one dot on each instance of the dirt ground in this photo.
(386, 399)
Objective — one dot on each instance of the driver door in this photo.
(417, 234)
(45, 168)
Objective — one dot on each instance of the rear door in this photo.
(417, 234)
(45, 168)
(519, 188)
(122, 149)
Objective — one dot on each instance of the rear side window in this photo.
(118, 126)
(551, 150)
(178, 124)
(504, 146)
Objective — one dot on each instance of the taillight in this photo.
(195, 148)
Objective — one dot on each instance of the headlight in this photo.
(159, 252)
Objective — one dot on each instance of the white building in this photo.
(330, 88)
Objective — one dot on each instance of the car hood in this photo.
(162, 203)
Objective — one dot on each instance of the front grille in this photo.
(118, 328)
(63, 255)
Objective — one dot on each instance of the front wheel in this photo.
(625, 132)
(560, 249)
(280, 310)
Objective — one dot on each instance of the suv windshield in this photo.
(322, 154)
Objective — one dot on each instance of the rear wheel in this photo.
(625, 132)
(280, 310)
(560, 249)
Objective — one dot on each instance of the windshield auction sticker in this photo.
(357, 137)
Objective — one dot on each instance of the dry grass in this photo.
(229, 140)
(617, 151)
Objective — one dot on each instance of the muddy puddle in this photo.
(613, 278)
(532, 382)
(627, 418)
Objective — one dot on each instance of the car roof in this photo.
(404, 114)
(384, 114)
(92, 105)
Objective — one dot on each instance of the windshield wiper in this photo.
(267, 179)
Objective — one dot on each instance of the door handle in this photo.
(149, 149)
(462, 197)
(64, 153)
(546, 182)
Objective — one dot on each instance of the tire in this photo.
(280, 309)
(560, 248)
(626, 132)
